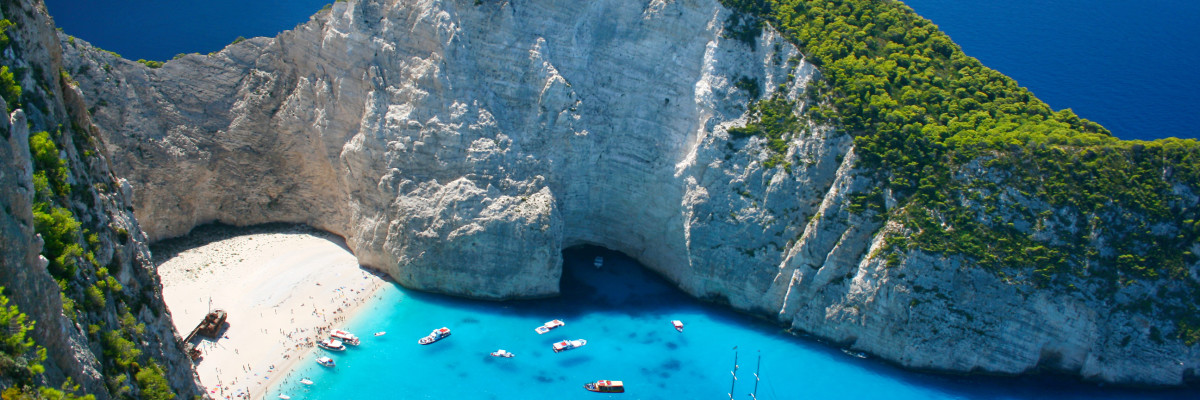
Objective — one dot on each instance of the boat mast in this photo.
(757, 368)
(735, 368)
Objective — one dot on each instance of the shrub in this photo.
(152, 383)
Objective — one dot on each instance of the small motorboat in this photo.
(856, 354)
(326, 361)
(598, 262)
(306, 381)
(285, 397)
(436, 335)
(380, 333)
(569, 344)
(678, 325)
(345, 336)
(604, 386)
(331, 344)
(502, 353)
(546, 327)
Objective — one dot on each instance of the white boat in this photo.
(285, 397)
(502, 353)
(857, 354)
(598, 262)
(678, 325)
(306, 381)
(326, 361)
(380, 333)
(546, 327)
(331, 344)
(569, 344)
(605, 386)
(345, 337)
(438, 334)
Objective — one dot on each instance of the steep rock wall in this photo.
(460, 146)
(98, 202)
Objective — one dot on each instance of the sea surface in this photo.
(624, 312)
(160, 29)
(1131, 66)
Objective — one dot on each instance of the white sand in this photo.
(282, 292)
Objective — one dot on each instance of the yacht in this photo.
(436, 335)
(569, 344)
(546, 327)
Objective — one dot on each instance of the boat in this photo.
(326, 361)
(331, 344)
(306, 381)
(546, 327)
(857, 354)
(598, 262)
(345, 337)
(502, 353)
(285, 397)
(568, 344)
(678, 325)
(381, 333)
(604, 386)
(436, 335)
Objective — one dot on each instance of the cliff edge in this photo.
(461, 145)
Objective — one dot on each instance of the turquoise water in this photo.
(624, 312)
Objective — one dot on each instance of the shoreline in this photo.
(283, 289)
(283, 374)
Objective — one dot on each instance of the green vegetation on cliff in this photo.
(63, 187)
(20, 358)
(979, 167)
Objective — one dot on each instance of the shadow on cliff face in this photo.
(167, 249)
(621, 284)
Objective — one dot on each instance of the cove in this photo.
(624, 311)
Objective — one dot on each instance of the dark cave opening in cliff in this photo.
(619, 282)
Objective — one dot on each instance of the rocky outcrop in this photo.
(460, 145)
(98, 202)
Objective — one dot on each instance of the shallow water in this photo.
(624, 312)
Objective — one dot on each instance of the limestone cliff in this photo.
(460, 145)
(105, 248)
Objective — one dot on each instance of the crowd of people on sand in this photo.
(296, 343)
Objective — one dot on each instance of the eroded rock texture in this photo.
(461, 146)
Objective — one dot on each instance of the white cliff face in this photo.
(461, 147)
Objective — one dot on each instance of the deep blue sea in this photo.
(624, 313)
(1131, 66)
(160, 29)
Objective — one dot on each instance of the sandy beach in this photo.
(283, 290)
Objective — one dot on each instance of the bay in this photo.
(624, 311)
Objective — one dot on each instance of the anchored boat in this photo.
(604, 386)
(546, 327)
(331, 344)
(436, 335)
(345, 336)
(325, 361)
(569, 344)
(502, 353)
(678, 325)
